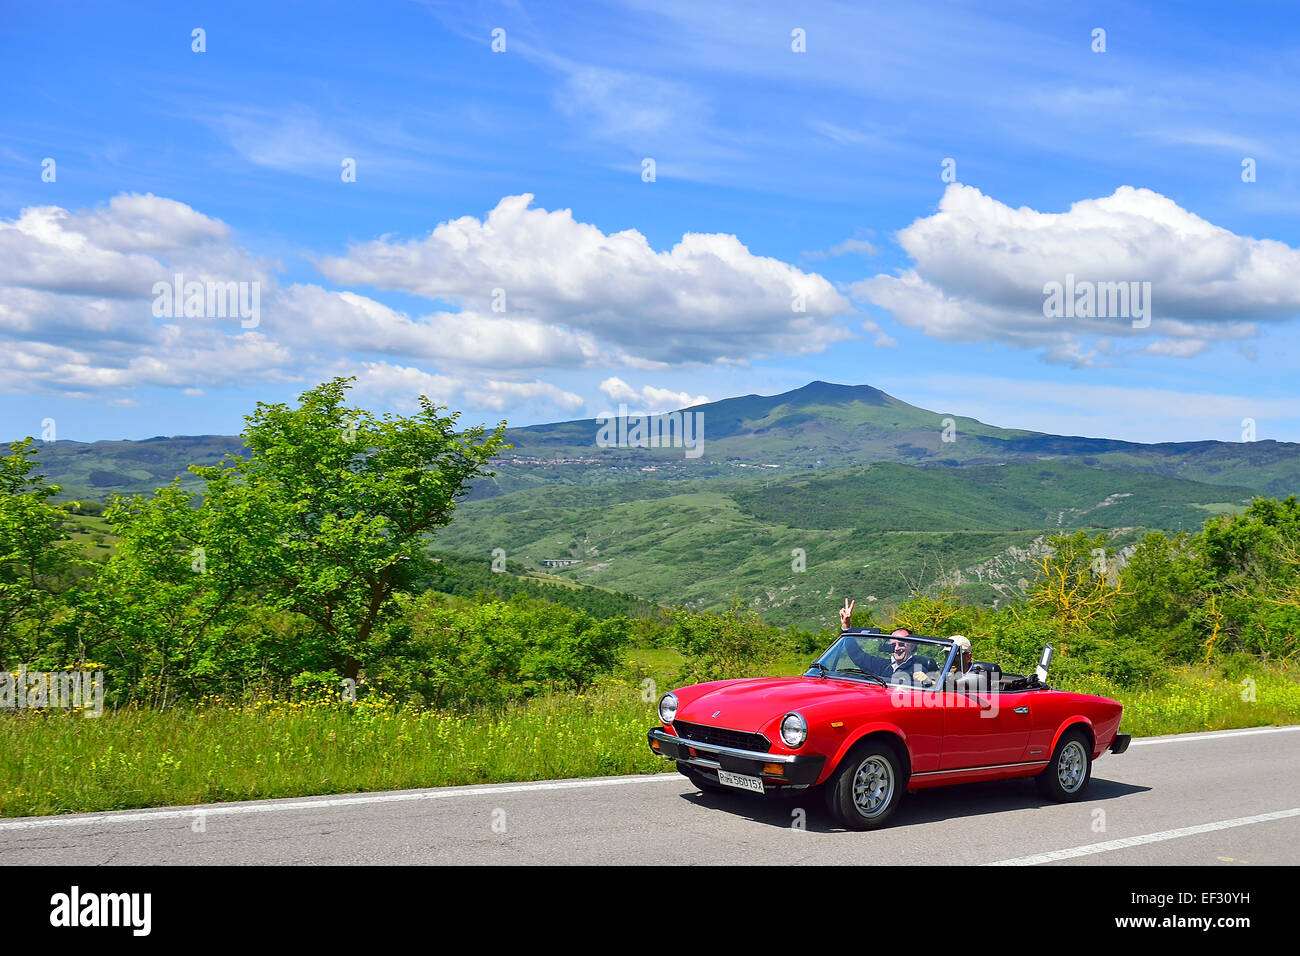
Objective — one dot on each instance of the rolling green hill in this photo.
(820, 426)
(823, 426)
(1048, 494)
(880, 497)
(95, 470)
(877, 532)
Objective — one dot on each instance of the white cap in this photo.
(963, 645)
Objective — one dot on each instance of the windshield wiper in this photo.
(858, 670)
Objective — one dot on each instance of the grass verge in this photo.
(221, 751)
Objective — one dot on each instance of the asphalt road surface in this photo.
(1227, 798)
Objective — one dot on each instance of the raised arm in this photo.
(846, 614)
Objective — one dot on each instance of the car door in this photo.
(983, 728)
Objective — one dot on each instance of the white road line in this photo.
(1161, 836)
(1212, 735)
(230, 809)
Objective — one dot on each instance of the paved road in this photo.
(1226, 798)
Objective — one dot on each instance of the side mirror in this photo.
(1044, 663)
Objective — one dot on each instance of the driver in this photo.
(902, 658)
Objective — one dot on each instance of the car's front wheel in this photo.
(1068, 772)
(866, 788)
(702, 783)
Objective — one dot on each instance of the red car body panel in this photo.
(948, 737)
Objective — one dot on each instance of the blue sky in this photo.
(782, 179)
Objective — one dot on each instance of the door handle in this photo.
(1022, 710)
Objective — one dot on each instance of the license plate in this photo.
(740, 781)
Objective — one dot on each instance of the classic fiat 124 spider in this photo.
(866, 730)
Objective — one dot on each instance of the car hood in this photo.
(752, 704)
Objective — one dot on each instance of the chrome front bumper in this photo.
(794, 769)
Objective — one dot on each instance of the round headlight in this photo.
(794, 730)
(667, 708)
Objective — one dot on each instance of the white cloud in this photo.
(295, 141)
(76, 297)
(849, 247)
(881, 338)
(314, 317)
(625, 106)
(707, 299)
(103, 252)
(652, 399)
(402, 385)
(76, 317)
(980, 267)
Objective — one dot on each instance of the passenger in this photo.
(964, 674)
(962, 664)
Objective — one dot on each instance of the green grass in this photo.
(92, 534)
(143, 758)
(1200, 699)
(55, 763)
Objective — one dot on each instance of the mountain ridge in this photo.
(816, 426)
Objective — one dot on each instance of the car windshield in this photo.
(896, 660)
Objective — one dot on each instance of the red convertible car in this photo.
(878, 715)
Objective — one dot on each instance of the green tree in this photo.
(161, 607)
(735, 643)
(1168, 596)
(331, 513)
(1077, 584)
(33, 560)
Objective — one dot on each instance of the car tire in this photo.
(700, 781)
(864, 791)
(1068, 773)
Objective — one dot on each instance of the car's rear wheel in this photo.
(866, 788)
(1067, 774)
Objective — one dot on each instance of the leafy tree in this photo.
(735, 643)
(332, 510)
(1077, 583)
(33, 560)
(939, 615)
(1167, 597)
(160, 608)
(462, 656)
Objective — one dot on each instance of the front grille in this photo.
(722, 737)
